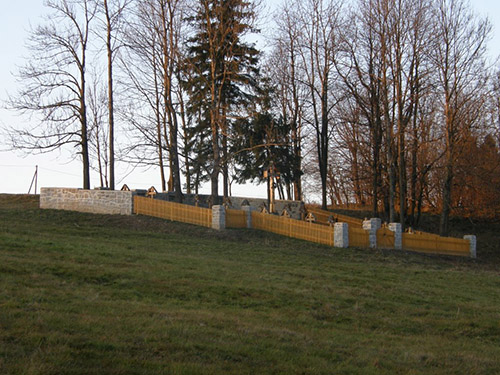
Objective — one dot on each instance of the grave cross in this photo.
(151, 192)
(310, 217)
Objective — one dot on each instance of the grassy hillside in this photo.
(96, 294)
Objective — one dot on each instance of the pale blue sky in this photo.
(56, 169)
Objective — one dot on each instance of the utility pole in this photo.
(34, 180)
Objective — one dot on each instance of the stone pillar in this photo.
(341, 235)
(398, 235)
(472, 245)
(248, 212)
(218, 217)
(372, 225)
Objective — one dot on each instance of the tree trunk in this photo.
(375, 168)
(185, 134)
(84, 130)
(214, 176)
(85, 152)
(446, 208)
(110, 100)
(225, 171)
(323, 148)
(402, 180)
(174, 156)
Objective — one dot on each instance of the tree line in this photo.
(387, 103)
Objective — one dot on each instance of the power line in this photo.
(16, 166)
(53, 170)
(33, 166)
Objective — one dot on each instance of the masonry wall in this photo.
(93, 201)
(294, 208)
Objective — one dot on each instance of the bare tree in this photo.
(144, 110)
(53, 82)
(459, 59)
(316, 28)
(284, 74)
(98, 135)
(113, 12)
(404, 33)
(360, 68)
(170, 19)
(151, 62)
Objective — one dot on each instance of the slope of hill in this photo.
(94, 294)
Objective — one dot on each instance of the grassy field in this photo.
(100, 294)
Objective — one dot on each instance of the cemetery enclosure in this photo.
(328, 228)
(323, 232)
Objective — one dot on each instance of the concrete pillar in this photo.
(248, 211)
(372, 225)
(218, 217)
(472, 245)
(341, 235)
(398, 235)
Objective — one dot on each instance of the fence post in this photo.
(218, 217)
(472, 245)
(398, 235)
(372, 225)
(341, 235)
(248, 212)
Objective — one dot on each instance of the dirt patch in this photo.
(19, 201)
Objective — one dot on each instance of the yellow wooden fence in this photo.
(173, 211)
(236, 218)
(293, 228)
(419, 241)
(358, 237)
(431, 243)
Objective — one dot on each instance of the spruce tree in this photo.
(224, 77)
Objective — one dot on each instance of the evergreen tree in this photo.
(224, 77)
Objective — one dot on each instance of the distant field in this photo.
(96, 294)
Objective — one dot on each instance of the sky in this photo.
(58, 169)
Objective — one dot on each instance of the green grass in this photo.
(100, 294)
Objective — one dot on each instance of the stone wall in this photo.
(93, 201)
(295, 208)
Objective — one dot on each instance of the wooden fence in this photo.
(314, 232)
(358, 237)
(236, 218)
(418, 241)
(173, 211)
(293, 228)
(431, 243)
(322, 217)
